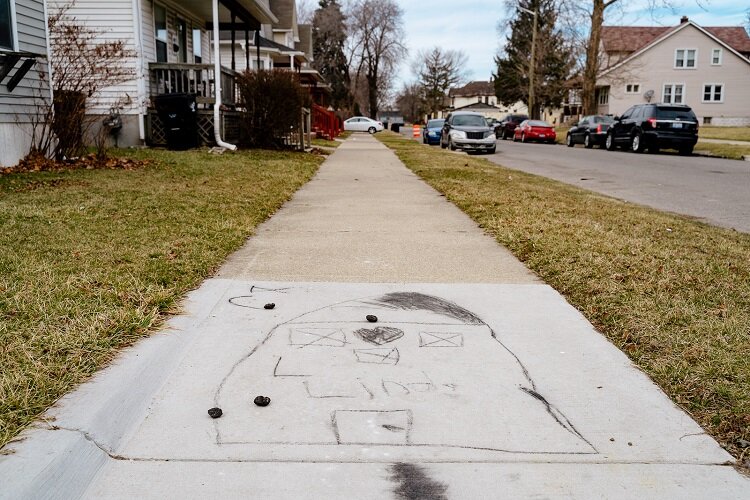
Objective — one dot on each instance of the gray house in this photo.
(23, 56)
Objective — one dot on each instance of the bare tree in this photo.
(438, 70)
(305, 11)
(376, 28)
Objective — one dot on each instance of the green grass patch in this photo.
(731, 151)
(672, 293)
(727, 133)
(325, 143)
(93, 260)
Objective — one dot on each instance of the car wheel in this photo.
(569, 141)
(451, 146)
(587, 142)
(637, 144)
(609, 143)
(372, 130)
(492, 151)
(686, 151)
(506, 135)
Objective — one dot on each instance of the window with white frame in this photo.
(632, 88)
(685, 58)
(716, 57)
(6, 25)
(713, 92)
(673, 93)
(603, 93)
(160, 32)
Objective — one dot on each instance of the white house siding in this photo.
(18, 108)
(655, 67)
(113, 19)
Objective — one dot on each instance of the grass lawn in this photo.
(731, 151)
(93, 260)
(728, 133)
(672, 293)
(325, 143)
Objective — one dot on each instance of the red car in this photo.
(535, 130)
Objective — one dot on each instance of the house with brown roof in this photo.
(479, 96)
(707, 68)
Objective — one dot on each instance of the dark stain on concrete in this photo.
(414, 484)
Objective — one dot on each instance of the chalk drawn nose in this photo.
(380, 335)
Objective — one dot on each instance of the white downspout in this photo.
(217, 82)
(140, 82)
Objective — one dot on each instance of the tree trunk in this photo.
(372, 95)
(592, 58)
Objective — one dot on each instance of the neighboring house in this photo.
(172, 43)
(283, 44)
(707, 68)
(479, 96)
(23, 58)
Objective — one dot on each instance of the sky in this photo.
(472, 26)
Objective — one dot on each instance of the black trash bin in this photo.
(396, 127)
(179, 115)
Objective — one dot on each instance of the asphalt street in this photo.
(713, 190)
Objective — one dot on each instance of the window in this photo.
(632, 88)
(713, 92)
(628, 113)
(197, 46)
(685, 58)
(674, 93)
(603, 98)
(6, 25)
(707, 120)
(160, 31)
(716, 57)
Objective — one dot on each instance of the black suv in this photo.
(654, 126)
(506, 127)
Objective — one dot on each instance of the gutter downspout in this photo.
(217, 81)
(140, 82)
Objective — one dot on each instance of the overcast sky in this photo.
(471, 25)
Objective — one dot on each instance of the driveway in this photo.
(714, 190)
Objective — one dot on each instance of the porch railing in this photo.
(168, 78)
(325, 122)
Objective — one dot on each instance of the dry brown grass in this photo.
(93, 260)
(672, 293)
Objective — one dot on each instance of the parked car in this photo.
(362, 124)
(506, 127)
(535, 130)
(654, 126)
(590, 131)
(467, 131)
(431, 131)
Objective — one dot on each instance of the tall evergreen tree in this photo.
(329, 37)
(553, 61)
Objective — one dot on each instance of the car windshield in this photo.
(435, 123)
(518, 118)
(603, 119)
(469, 121)
(539, 123)
(673, 113)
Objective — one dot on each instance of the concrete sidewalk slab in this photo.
(481, 389)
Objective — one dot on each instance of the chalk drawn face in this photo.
(413, 378)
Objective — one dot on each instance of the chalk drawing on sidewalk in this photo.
(436, 363)
(255, 297)
(441, 339)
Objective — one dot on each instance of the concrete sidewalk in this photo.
(474, 379)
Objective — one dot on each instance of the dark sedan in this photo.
(507, 126)
(590, 131)
(431, 132)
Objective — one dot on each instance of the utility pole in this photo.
(532, 68)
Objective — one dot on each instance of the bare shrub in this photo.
(272, 102)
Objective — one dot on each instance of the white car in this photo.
(362, 124)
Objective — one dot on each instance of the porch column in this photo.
(291, 63)
(257, 47)
(234, 42)
(247, 49)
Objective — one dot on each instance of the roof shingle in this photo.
(633, 38)
(473, 89)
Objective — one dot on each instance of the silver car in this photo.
(468, 131)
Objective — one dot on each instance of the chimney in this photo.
(684, 19)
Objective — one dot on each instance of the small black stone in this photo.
(262, 400)
(372, 318)
(270, 305)
(215, 412)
